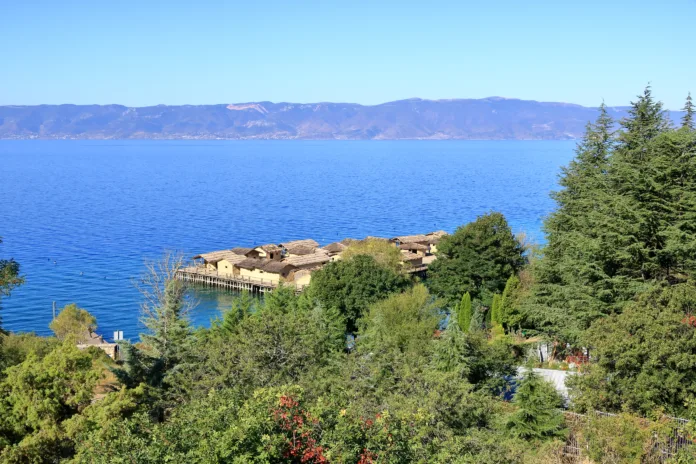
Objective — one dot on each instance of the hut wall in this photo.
(303, 279)
(258, 274)
(227, 268)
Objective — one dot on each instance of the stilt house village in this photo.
(265, 267)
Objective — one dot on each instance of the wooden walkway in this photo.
(202, 276)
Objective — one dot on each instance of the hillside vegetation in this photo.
(370, 366)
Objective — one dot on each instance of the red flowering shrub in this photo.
(298, 427)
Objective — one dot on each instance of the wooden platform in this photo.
(202, 276)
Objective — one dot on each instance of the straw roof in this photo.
(413, 246)
(266, 265)
(335, 247)
(300, 250)
(308, 242)
(232, 257)
(213, 256)
(269, 248)
(308, 260)
(250, 263)
(408, 256)
(276, 267)
(412, 238)
(241, 250)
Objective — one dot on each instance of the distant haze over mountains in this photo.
(492, 118)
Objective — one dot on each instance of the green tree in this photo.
(484, 364)
(464, 312)
(37, 397)
(383, 251)
(538, 416)
(623, 223)
(688, 118)
(169, 330)
(270, 347)
(242, 306)
(166, 345)
(352, 285)
(404, 322)
(73, 322)
(645, 356)
(478, 257)
(496, 310)
(9, 278)
(16, 347)
(510, 302)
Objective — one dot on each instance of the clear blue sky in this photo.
(198, 52)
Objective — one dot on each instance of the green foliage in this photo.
(624, 222)
(646, 356)
(688, 118)
(9, 277)
(352, 285)
(478, 316)
(37, 397)
(465, 312)
(538, 415)
(622, 439)
(496, 310)
(404, 322)
(510, 302)
(14, 348)
(383, 251)
(478, 257)
(242, 306)
(73, 322)
(271, 347)
(484, 364)
(166, 344)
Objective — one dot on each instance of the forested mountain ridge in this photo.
(493, 118)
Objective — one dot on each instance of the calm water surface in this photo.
(82, 216)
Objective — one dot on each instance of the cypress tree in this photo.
(465, 314)
(496, 308)
(509, 302)
(688, 118)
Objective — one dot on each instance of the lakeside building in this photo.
(263, 268)
(97, 341)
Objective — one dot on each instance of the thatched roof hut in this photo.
(334, 248)
(241, 250)
(320, 257)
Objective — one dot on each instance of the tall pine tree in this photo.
(572, 280)
(624, 222)
(688, 118)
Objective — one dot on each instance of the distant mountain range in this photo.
(492, 118)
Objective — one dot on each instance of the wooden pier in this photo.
(201, 276)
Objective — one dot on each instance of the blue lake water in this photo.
(82, 216)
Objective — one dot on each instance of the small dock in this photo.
(199, 275)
